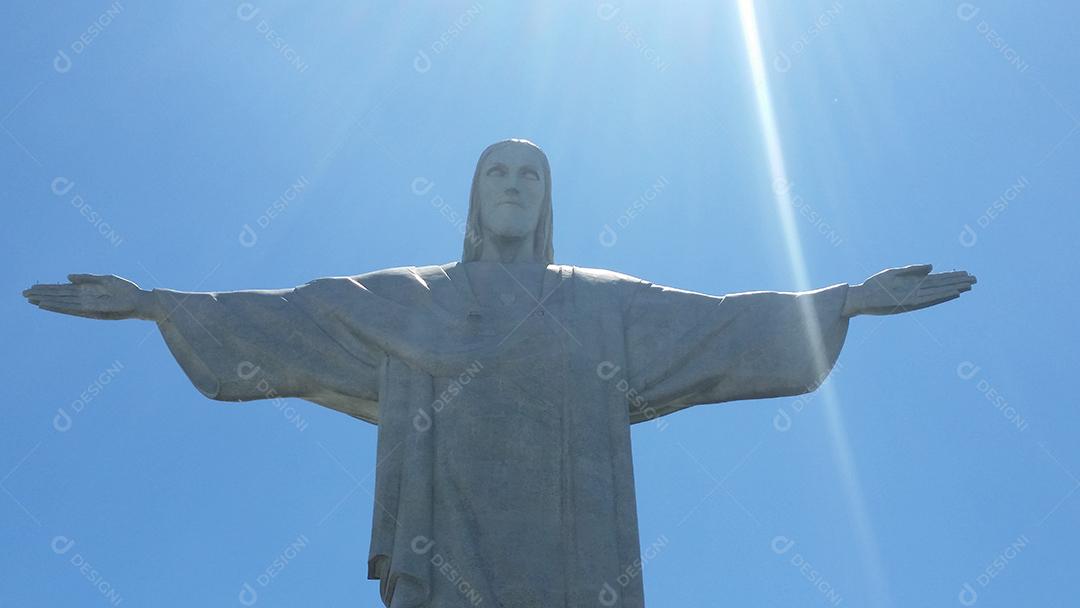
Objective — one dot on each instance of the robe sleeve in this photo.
(247, 345)
(686, 348)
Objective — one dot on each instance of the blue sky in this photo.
(939, 465)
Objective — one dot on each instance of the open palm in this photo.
(897, 290)
(97, 296)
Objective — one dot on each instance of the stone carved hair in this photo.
(543, 250)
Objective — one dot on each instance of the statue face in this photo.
(511, 189)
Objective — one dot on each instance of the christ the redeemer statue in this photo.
(504, 386)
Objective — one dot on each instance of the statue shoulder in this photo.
(599, 276)
(600, 285)
(386, 281)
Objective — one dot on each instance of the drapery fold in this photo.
(383, 347)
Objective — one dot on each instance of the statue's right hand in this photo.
(97, 296)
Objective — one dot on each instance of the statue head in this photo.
(510, 201)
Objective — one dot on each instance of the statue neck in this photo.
(507, 249)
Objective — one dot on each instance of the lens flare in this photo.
(785, 210)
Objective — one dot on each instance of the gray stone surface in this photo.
(504, 386)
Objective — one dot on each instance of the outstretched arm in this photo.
(686, 349)
(898, 290)
(96, 296)
(237, 345)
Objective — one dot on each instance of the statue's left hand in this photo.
(904, 289)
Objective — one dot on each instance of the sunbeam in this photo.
(785, 211)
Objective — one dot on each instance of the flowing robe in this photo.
(504, 473)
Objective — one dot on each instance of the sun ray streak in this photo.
(785, 211)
